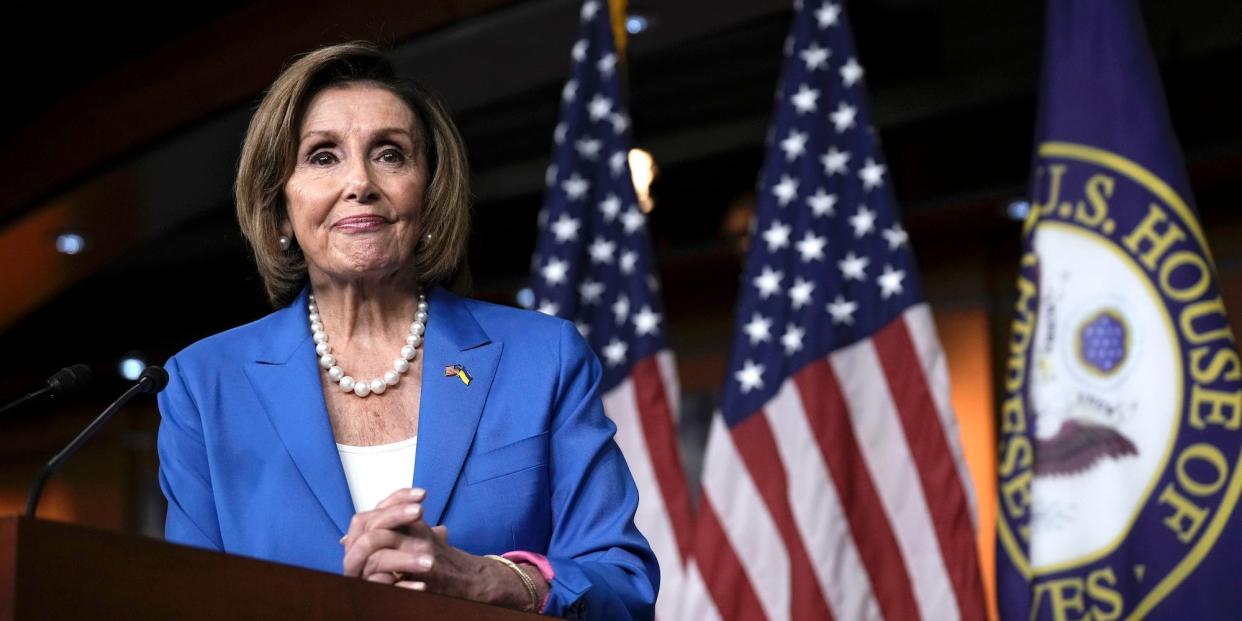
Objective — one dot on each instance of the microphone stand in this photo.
(145, 384)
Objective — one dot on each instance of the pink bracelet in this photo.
(541, 563)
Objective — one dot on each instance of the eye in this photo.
(321, 158)
(392, 156)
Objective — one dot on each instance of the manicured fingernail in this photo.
(413, 510)
(425, 562)
(417, 492)
(342, 541)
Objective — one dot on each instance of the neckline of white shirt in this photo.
(379, 448)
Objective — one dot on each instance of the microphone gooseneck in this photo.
(152, 380)
(62, 384)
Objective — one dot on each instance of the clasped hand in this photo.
(393, 545)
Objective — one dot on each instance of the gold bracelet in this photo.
(530, 584)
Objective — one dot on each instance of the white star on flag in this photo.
(646, 321)
(805, 99)
(890, 282)
(811, 247)
(579, 50)
(601, 250)
(558, 133)
(835, 161)
(599, 108)
(758, 329)
(575, 187)
(843, 117)
(822, 203)
(616, 163)
(800, 293)
(794, 145)
(610, 207)
(614, 352)
(895, 236)
(568, 92)
(549, 175)
(590, 291)
(786, 190)
(750, 376)
(792, 339)
(853, 267)
(827, 15)
(863, 221)
(842, 310)
(565, 228)
(548, 307)
(633, 219)
(769, 282)
(872, 174)
(620, 123)
(629, 259)
(815, 56)
(851, 72)
(607, 64)
(777, 235)
(588, 10)
(554, 271)
(621, 308)
(588, 148)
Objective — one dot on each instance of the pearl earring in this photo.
(284, 242)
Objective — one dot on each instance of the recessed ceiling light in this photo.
(635, 23)
(131, 368)
(70, 243)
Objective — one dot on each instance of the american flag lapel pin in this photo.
(458, 371)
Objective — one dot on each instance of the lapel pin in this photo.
(458, 371)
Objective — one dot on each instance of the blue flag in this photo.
(1122, 418)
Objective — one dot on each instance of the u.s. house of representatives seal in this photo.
(1120, 428)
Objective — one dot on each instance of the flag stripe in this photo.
(652, 516)
(826, 412)
(672, 389)
(748, 528)
(889, 461)
(818, 510)
(936, 368)
(933, 462)
(757, 446)
(661, 436)
(721, 571)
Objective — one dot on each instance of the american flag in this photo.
(834, 482)
(593, 265)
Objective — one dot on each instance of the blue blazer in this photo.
(522, 458)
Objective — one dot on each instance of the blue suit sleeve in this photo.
(604, 568)
(185, 476)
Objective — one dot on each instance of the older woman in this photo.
(376, 423)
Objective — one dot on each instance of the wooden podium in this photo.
(50, 570)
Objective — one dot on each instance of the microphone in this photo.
(64, 383)
(152, 380)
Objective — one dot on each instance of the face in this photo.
(356, 193)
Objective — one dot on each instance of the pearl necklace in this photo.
(363, 388)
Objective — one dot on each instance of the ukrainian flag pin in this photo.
(459, 371)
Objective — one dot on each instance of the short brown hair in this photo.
(270, 152)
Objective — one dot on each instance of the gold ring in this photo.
(399, 576)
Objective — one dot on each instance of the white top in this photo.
(374, 472)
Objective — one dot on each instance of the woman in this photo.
(295, 438)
